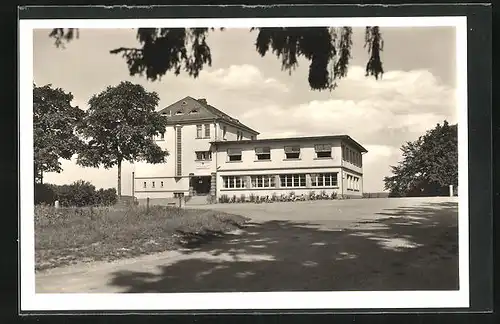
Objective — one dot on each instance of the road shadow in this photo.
(409, 248)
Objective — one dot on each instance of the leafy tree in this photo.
(175, 49)
(429, 165)
(54, 124)
(119, 126)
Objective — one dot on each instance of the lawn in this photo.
(67, 236)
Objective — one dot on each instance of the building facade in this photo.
(211, 153)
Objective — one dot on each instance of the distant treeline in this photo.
(78, 194)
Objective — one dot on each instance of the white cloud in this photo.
(242, 77)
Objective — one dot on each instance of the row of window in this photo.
(352, 156)
(352, 183)
(297, 180)
(286, 181)
(153, 184)
(203, 131)
(291, 152)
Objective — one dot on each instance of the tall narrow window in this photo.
(263, 153)
(292, 152)
(293, 180)
(234, 154)
(323, 150)
(153, 184)
(233, 182)
(161, 184)
(198, 131)
(262, 181)
(207, 130)
(144, 184)
(224, 131)
(324, 180)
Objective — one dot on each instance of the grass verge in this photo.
(67, 236)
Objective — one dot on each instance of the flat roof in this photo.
(345, 138)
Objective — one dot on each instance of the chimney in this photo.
(203, 101)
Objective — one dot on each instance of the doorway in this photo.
(201, 185)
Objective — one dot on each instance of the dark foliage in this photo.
(429, 165)
(328, 50)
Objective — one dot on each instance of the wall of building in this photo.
(170, 185)
(231, 133)
(349, 165)
(278, 159)
(277, 189)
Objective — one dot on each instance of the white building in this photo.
(213, 153)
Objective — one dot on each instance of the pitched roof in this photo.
(190, 109)
(345, 138)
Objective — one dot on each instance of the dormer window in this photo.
(292, 152)
(323, 150)
(234, 154)
(263, 153)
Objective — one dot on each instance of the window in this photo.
(179, 112)
(207, 130)
(194, 111)
(144, 185)
(239, 135)
(233, 182)
(161, 184)
(234, 154)
(293, 180)
(224, 131)
(203, 155)
(153, 184)
(198, 131)
(344, 153)
(252, 137)
(292, 152)
(263, 153)
(263, 181)
(323, 151)
(324, 180)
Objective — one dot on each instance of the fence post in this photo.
(147, 205)
(451, 190)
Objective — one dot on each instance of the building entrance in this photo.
(201, 185)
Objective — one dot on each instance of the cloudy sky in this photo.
(416, 92)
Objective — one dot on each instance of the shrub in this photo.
(187, 198)
(44, 194)
(243, 198)
(274, 197)
(224, 199)
(333, 195)
(252, 197)
(311, 195)
(78, 194)
(233, 199)
(106, 197)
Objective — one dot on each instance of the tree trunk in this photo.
(41, 176)
(119, 180)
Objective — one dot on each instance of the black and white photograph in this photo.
(239, 163)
